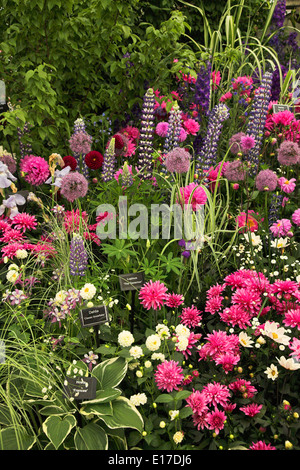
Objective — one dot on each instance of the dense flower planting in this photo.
(204, 351)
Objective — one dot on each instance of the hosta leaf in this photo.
(57, 428)
(91, 437)
(125, 415)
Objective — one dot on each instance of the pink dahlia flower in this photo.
(216, 394)
(193, 194)
(287, 186)
(216, 420)
(23, 221)
(261, 445)
(197, 401)
(36, 169)
(174, 300)
(281, 228)
(191, 126)
(191, 316)
(153, 295)
(296, 217)
(168, 376)
(251, 410)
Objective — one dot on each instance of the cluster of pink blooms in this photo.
(242, 85)
(282, 125)
(36, 169)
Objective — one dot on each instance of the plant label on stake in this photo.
(132, 282)
(94, 316)
(277, 108)
(80, 388)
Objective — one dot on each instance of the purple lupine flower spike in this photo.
(78, 256)
(257, 120)
(174, 126)
(208, 154)
(108, 167)
(145, 149)
(202, 88)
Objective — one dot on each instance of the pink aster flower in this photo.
(287, 186)
(74, 219)
(193, 194)
(197, 401)
(216, 420)
(292, 318)
(216, 394)
(168, 376)
(261, 445)
(191, 316)
(174, 300)
(251, 410)
(191, 126)
(153, 295)
(35, 169)
(296, 217)
(23, 221)
(281, 228)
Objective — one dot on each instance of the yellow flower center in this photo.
(274, 335)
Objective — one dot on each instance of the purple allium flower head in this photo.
(78, 256)
(162, 129)
(73, 186)
(80, 143)
(235, 142)
(178, 160)
(266, 180)
(288, 153)
(235, 171)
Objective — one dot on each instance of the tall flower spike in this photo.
(208, 154)
(126, 176)
(202, 88)
(80, 128)
(108, 168)
(172, 137)
(257, 120)
(78, 256)
(145, 149)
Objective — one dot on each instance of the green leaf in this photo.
(91, 437)
(164, 398)
(57, 428)
(15, 438)
(98, 409)
(103, 396)
(110, 372)
(125, 415)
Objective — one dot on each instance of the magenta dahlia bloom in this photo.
(292, 318)
(168, 376)
(216, 394)
(296, 217)
(173, 300)
(216, 420)
(266, 180)
(36, 169)
(247, 143)
(193, 194)
(178, 160)
(23, 222)
(153, 295)
(197, 401)
(261, 445)
(191, 316)
(251, 410)
(73, 186)
(281, 228)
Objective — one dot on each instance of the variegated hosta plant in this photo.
(47, 418)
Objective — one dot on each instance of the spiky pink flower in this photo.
(292, 318)
(162, 129)
(216, 394)
(249, 300)
(243, 386)
(216, 420)
(228, 361)
(236, 316)
(247, 143)
(23, 221)
(174, 300)
(251, 410)
(295, 348)
(193, 194)
(214, 304)
(191, 316)
(153, 295)
(261, 445)
(197, 401)
(11, 235)
(168, 376)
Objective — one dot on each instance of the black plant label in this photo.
(94, 316)
(133, 281)
(80, 388)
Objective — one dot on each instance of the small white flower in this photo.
(174, 414)
(272, 372)
(289, 364)
(162, 331)
(182, 330)
(182, 343)
(136, 352)
(158, 356)
(245, 340)
(21, 254)
(12, 275)
(178, 437)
